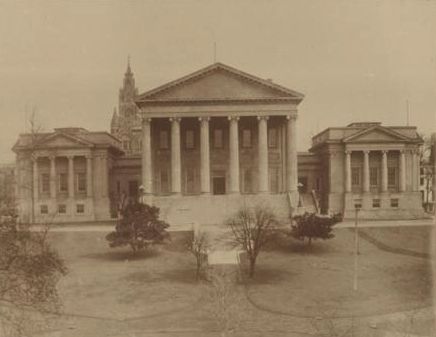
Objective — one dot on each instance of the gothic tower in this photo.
(126, 124)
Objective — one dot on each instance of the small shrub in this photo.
(138, 228)
(198, 245)
(313, 226)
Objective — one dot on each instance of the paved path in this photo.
(386, 223)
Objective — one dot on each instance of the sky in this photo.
(353, 60)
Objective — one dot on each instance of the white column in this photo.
(365, 171)
(104, 175)
(52, 177)
(35, 179)
(263, 154)
(71, 176)
(347, 171)
(89, 191)
(402, 171)
(384, 171)
(176, 167)
(234, 154)
(147, 181)
(204, 155)
(291, 145)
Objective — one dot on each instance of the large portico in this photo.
(219, 131)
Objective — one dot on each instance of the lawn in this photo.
(107, 292)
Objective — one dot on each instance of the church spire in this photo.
(129, 70)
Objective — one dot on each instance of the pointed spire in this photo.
(128, 71)
(114, 121)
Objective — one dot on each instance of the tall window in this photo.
(246, 138)
(356, 177)
(218, 138)
(189, 139)
(272, 137)
(133, 188)
(164, 182)
(373, 176)
(45, 183)
(392, 176)
(163, 139)
(81, 182)
(248, 181)
(190, 181)
(63, 182)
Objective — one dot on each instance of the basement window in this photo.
(80, 208)
(44, 209)
(394, 203)
(62, 209)
(376, 203)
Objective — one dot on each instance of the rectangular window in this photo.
(376, 203)
(273, 138)
(62, 208)
(373, 176)
(190, 181)
(392, 176)
(81, 182)
(45, 183)
(355, 176)
(164, 182)
(189, 141)
(44, 209)
(163, 139)
(218, 138)
(80, 208)
(248, 181)
(358, 203)
(246, 138)
(394, 203)
(63, 182)
(133, 188)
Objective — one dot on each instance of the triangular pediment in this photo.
(63, 140)
(219, 82)
(376, 134)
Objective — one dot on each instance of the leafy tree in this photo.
(138, 227)
(252, 228)
(313, 226)
(29, 272)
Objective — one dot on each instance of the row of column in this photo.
(234, 186)
(70, 176)
(384, 171)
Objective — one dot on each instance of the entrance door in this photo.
(219, 185)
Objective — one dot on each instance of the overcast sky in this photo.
(354, 60)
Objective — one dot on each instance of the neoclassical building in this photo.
(204, 145)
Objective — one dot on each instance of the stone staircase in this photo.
(182, 212)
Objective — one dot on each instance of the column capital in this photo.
(70, 157)
(88, 156)
(146, 120)
(366, 151)
(233, 118)
(292, 117)
(384, 151)
(51, 157)
(259, 118)
(204, 119)
(175, 119)
(348, 151)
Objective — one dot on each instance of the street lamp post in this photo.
(356, 246)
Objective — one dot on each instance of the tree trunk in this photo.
(252, 267)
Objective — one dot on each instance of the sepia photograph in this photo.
(217, 168)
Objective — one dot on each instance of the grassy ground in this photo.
(109, 293)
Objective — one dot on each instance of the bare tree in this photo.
(252, 229)
(198, 245)
(29, 272)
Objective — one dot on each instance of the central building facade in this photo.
(219, 131)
